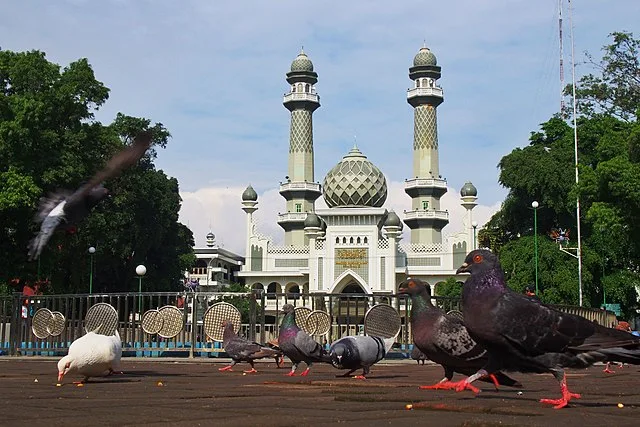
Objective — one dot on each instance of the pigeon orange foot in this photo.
(465, 385)
(359, 377)
(442, 385)
(305, 373)
(564, 400)
(226, 368)
(251, 371)
(291, 374)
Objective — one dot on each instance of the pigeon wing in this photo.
(308, 346)
(452, 338)
(121, 160)
(49, 224)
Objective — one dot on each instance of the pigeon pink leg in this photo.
(305, 372)
(251, 371)
(226, 368)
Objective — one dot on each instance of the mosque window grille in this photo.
(298, 207)
(320, 273)
(319, 245)
(291, 263)
(288, 250)
(383, 272)
(383, 244)
(424, 262)
(422, 248)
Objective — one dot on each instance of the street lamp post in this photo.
(535, 205)
(474, 224)
(92, 251)
(141, 270)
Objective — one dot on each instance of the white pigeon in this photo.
(92, 355)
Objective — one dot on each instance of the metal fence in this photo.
(260, 319)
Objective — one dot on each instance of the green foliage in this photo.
(242, 303)
(449, 288)
(49, 140)
(609, 192)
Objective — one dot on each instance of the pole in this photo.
(91, 274)
(474, 238)
(604, 292)
(535, 244)
(139, 295)
(575, 144)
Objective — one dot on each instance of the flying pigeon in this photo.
(242, 350)
(297, 345)
(64, 208)
(444, 339)
(92, 355)
(359, 352)
(417, 355)
(524, 335)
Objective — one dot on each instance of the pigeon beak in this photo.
(463, 268)
(60, 375)
(402, 290)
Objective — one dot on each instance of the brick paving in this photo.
(195, 393)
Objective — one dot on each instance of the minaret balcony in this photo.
(292, 217)
(300, 190)
(426, 218)
(425, 95)
(417, 187)
(425, 91)
(301, 96)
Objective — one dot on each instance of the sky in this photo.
(213, 72)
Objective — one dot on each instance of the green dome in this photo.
(424, 57)
(312, 220)
(468, 190)
(302, 63)
(392, 220)
(249, 195)
(355, 181)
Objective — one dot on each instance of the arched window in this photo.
(358, 240)
(299, 87)
(344, 240)
(306, 87)
(351, 241)
(293, 88)
(337, 240)
(418, 83)
(366, 240)
(294, 292)
(272, 289)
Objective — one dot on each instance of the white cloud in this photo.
(219, 209)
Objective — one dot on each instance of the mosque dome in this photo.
(424, 57)
(312, 220)
(302, 63)
(392, 220)
(249, 195)
(355, 181)
(468, 190)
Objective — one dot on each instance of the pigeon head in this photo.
(287, 308)
(65, 365)
(478, 261)
(340, 353)
(413, 286)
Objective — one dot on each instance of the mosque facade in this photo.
(355, 245)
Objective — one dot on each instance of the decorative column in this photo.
(426, 186)
(299, 190)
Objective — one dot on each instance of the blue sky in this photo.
(213, 73)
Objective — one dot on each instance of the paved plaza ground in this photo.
(182, 392)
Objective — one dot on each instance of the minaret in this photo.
(249, 205)
(469, 196)
(300, 190)
(426, 186)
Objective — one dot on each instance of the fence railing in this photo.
(260, 321)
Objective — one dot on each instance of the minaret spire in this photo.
(300, 191)
(425, 186)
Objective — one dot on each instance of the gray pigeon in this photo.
(444, 339)
(297, 345)
(242, 350)
(64, 209)
(524, 335)
(359, 352)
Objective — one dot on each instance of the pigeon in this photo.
(64, 209)
(242, 350)
(92, 355)
(297, 345)
(359, 352)
(444, 339)
(524, 335)
(417, 355)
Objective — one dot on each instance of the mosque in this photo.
(355, 245)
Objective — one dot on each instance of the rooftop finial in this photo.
(424, 44)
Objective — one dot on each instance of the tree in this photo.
(609, 191)
(49, 140)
